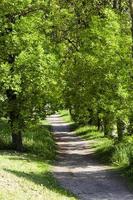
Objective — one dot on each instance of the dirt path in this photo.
(77, 171)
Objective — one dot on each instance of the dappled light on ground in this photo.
(25, 177)
(77, 170)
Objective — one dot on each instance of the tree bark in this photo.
(108, 123)
(121, 129)
(17, 141)
(100, 124)
(17, 144)
(14, 120)
(130, 126)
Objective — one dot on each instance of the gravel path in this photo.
(77, 170)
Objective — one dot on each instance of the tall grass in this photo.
(5, 137)
(123, 154)
(36, 139)
(110, 151)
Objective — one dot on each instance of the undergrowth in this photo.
(36, 139)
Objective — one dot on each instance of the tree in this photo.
(26, 60)
(97, 73)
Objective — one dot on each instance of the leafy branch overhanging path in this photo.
(77, 171)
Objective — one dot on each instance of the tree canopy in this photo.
(72, 54)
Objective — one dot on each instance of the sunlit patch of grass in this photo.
(104, 150)
(36, 139)
(89, 132)
(40, 141)
(102, 146)
(123, 155)
(27, 177)
(66, 116)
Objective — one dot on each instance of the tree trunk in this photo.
(106, 127)
(108, 123)
(115, 4)
(17, 141)
(14, 120)
(90, 117)
(100, 124)
(16, 131)
(121, 129)
(130, 126)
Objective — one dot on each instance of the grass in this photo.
(109, 151)
(29, 175)
(66, 116)
(103, 147)
(36, 139)
(39, 140)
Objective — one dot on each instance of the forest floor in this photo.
(77, 170)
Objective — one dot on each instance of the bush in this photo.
(123, 154)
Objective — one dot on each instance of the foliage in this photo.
(123, 155)
(28, 65)
(68, 54)
(96, 75)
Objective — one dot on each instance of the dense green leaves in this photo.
(97, 75)
(71, 53)
(28, 62)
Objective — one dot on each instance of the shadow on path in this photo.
(77, 170)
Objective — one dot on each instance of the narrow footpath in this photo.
(77, 171)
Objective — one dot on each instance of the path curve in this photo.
(77, 171)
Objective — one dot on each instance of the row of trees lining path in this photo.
(72, 54)
(77, 170)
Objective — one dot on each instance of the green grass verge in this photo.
(28, 175)
(103, 147)
(107, 150)
(66, 116)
